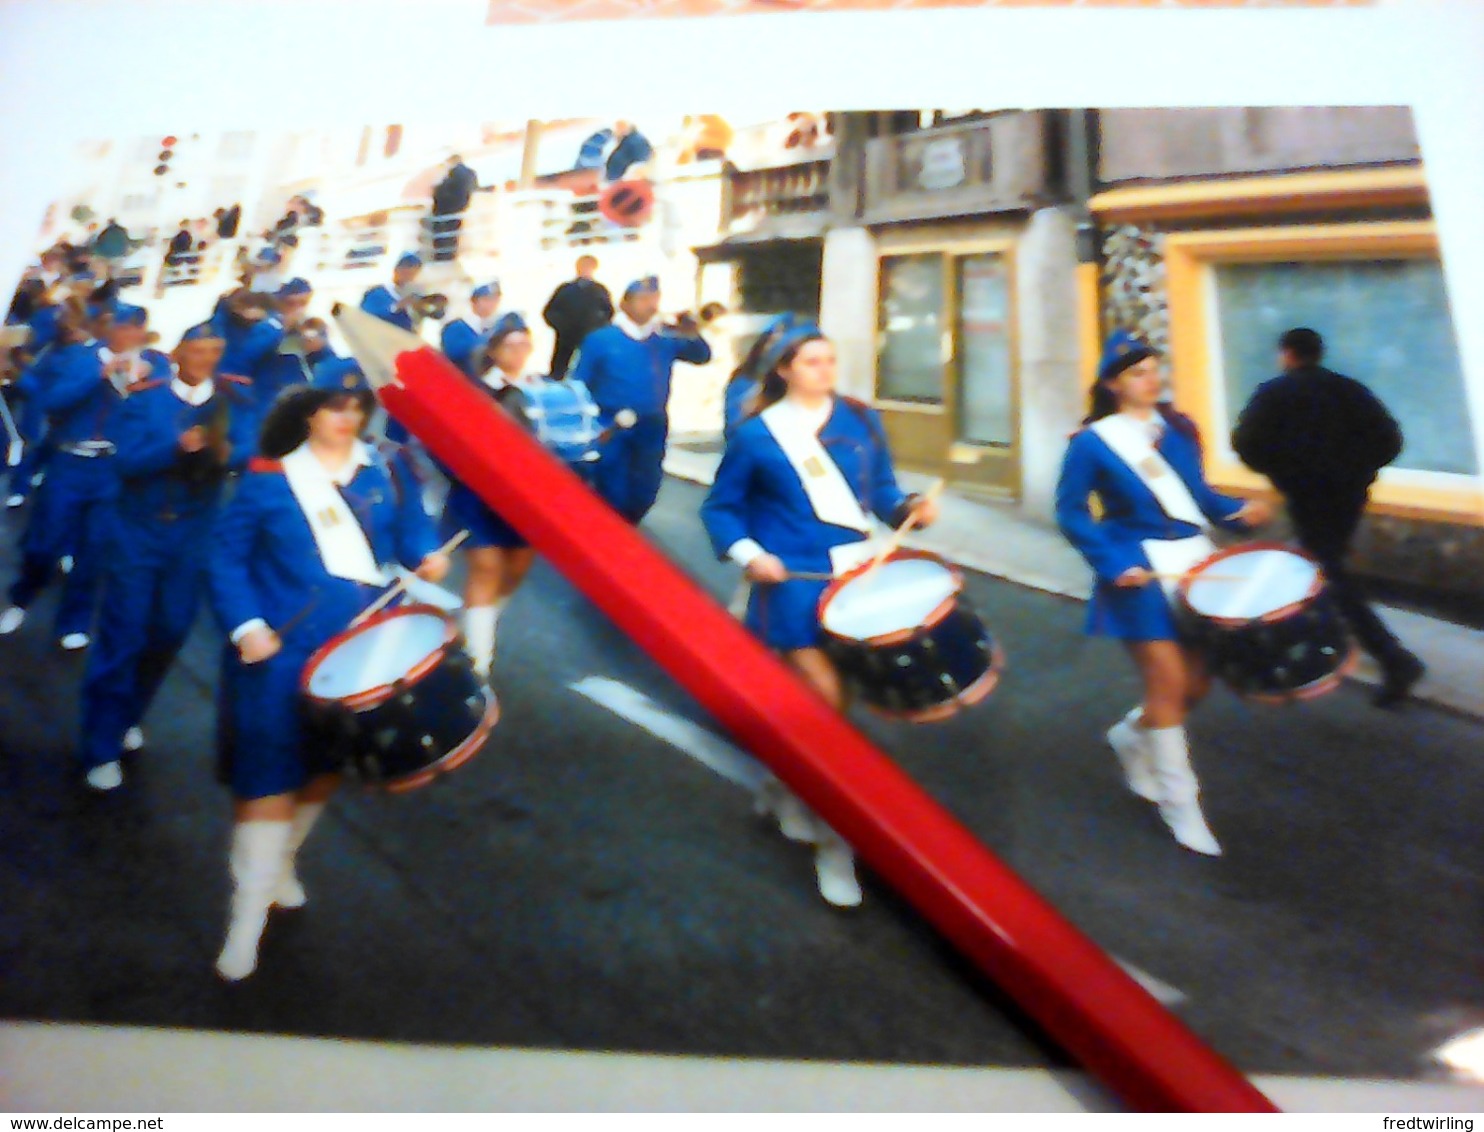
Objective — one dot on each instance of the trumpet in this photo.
(419, 305)
(692, 322)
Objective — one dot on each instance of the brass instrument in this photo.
(690, 323)
(433, 305)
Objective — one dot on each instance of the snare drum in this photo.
(905, 638)
(1263, 617)
(397, 699)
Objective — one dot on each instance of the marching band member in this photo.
(1143, 459)
(628, 365)
(299, 551)
(499, 557)
(177, 439)
(327, 369)
(795, 492)
(390, 303)
(288, 364)
(462, 338)
(246, 321)
(87, 383)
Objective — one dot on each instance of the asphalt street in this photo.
(595, 878)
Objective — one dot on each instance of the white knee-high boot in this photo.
(479, 634)
(1179, 792)
(290, 893)
(834, 868)
(256, 863)
(1130, 742)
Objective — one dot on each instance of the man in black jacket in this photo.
(575, 309)
(1321, 438)
(451, 197)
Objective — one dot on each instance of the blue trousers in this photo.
(631, 469)
(74, 513)
(152, 591)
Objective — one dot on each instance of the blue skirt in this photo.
(465, 511)
(786, 616)
(1141, 614)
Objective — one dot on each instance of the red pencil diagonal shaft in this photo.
(1057, 975)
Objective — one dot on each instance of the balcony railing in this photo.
(995, 165)
(755, 195)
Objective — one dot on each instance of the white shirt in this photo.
(1154, 425)
(633, 329)
(193, 394)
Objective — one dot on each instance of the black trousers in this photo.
(561, 356)
(1325, 519)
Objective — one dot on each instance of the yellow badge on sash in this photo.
(329, 518)
(1153, 467)
(813, 466)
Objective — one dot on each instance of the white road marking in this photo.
(707, 748)
(715, 753)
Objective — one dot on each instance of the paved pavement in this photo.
(595, 880)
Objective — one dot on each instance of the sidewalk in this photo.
(995, 538)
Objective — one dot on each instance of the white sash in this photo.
(342, 543)
(1130, 443)
(829, 495)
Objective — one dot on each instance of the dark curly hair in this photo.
(286, 424)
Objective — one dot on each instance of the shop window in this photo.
(1384, 321)
(785, 277)
(985, 361)
(911, 321)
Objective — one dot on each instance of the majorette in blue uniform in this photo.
(74, 509)
(301, 550)
(289, 363)
(463, 338)
(177, 438)
(386, 303)
(626, 365)
(801, 485)
(1156, 506)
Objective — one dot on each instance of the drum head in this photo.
(899, 595)
(1248, 584)
(378, 653)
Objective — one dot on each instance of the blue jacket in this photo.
(79, 404)
(265, 563)
(460, 341)
(738, 390)
(758, 495)
(1131, 513)
(158, 478)
(382, 303)
(624, 374)
(251, 348)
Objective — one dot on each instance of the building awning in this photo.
(788, 227)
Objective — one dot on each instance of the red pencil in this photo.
(1055, 973)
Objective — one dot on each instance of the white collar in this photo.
(360, 457)
(496, 379)
(813, 419)
(633, 329)
(193, 394)
(1153, 428)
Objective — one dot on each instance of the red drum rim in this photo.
(896, 636)
(1311, 691)
(373, 697)
(967, 698)
(449, 762)
(1282, 613)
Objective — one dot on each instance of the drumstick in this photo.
(401, 583)
(908, 523)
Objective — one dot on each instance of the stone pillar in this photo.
(1050, 384)
(847, 308)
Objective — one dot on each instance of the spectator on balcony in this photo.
(628, 366)
(227, 222)
(630, 148)
(451, 197)
(706, 138)
(181, 244)
(112, 243)
(463, 338)
(575, 309)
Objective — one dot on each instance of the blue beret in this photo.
(201, 332)
(126, 315)
(486, 290)
(508, 324)
(411, 259)
(649, 285)
(783, 334)
(269, 255)
(1122, 351)
(295, 287)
